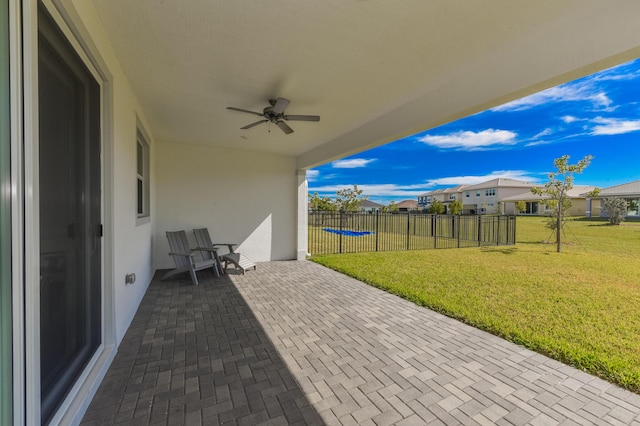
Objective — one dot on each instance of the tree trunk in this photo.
(559, 229)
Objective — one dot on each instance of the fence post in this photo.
(377, 227)
(340, 244)
(408, 228)
(459, 218)
(479, 230)
(434, 225)
(498, 231)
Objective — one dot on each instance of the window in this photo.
(632, 206)
(467, 194)
(490, 192)
(70, 296)
(142, 176)
(477, 193)
(452, 196)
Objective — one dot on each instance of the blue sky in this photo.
(597, 115)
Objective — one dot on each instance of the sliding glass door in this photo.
(70, 212)
(6, 379)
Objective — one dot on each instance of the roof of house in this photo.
(502, 183)
(434, 192)
(451, 190)
(370, 204)
(455, 189)
(407, 204)
(630, 188)
(578, 191)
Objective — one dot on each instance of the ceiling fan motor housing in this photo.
(270, 115)
(277, 117)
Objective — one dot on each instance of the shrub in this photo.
(437, 207)
(615, 209)
(455, 207)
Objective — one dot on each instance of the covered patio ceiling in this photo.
(374, 70)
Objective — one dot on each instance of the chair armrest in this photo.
(229, 245)
(211, 249)
(181, 254)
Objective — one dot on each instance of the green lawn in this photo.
(581, 306)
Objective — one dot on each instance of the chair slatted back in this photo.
(203, 240)
(178, 243)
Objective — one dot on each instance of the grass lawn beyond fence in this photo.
(581, 306)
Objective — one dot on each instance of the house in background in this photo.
(407, 206)
(444, 195)
(481, 198)
(425, 200)
(115, 129)
(368, 206)
(629, 191)
(535, 204)
(453, 194)
(486, 196)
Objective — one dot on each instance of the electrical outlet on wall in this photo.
(130, 278)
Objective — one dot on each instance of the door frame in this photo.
(6, 203)
(25, 280)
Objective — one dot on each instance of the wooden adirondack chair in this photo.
(203, 239)
(185, 260)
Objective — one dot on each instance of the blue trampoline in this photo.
(348, 232)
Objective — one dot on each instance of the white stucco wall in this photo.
(133, 244)
(242, 197)
(127, 245)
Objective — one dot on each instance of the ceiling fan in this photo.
(275, 114)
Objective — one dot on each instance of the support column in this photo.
(302, 219)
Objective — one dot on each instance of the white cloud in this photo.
(545, 132)
(537, 143)
(569, 119)
(471, 140)
(377, 190)
(570, 92)
(613, 126)
(618, 73)
(472, 180)
(312, 175)
(352, 164)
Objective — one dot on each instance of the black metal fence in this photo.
(335, 232)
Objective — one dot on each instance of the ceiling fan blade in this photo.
(280, 105)
(245, 110)
(284, 127)
(248, 126)
(302, 117)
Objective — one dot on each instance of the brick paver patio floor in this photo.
(296, 343)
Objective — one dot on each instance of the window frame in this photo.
(143, 178)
